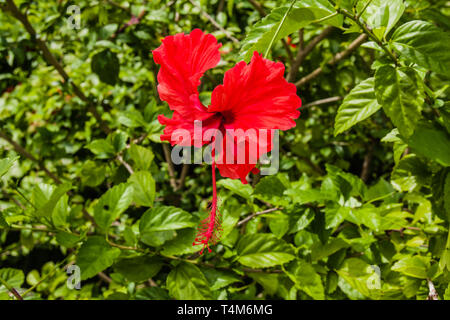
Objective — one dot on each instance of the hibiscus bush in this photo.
(92, 205)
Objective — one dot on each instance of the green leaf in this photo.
(263, 250)
(141, 156)
(68, 240)
(106, 65)
(243, 190)
(399, 92)
(357, 106)
(112, 204)
(94, 256)
(182, 243)
(423, 43)
(102, 148)
(271, 190)
(361, 277)
(158, 224)
(138, 269)
(381, 15)
(219, 279)
(438, 150)
(61, 212)
(261, 34)
(416, 266)
(144, 188)
(320, 251)
(92, 173)
(269, 281)
(306, 278)
(13, 277)
(187, 282)
(6, 164)
(46, 204)
(410, 173)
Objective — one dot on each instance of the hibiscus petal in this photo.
(254, 96)
(184, 58)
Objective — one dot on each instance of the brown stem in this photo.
(183, 176)
(365, 171)
(171, 168)
(432, 295)
(338, 57)
(214, 22)
(320, 102)
(248, 218)
(303, 52)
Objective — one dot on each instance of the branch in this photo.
(11, 289)
(248, 218)
(173, 182)
(338, 57)
(368, 32)
(183, 176)
(303, 52)
(214, 22)
(320, 102)
(432, 295)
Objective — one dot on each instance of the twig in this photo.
(125, 164)
(258, 7)
(368, 32)
(248, 218)
(214, 22)
(320, 102)
(11, 289)
(104, 277)
(338, 57)
(365, 171)
(184, 172)
(432, 295)
(303, 52)
(173, 182)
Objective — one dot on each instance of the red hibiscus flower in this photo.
(253, 96)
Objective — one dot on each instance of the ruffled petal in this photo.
(254, 96)
(184, 58)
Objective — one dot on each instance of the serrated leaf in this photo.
(399, 92)
(306, 278)
(13, 277)
(6, 164)
(416, 266)
(260, 35)
(46, 205)
(187, 282)
(243, 190)
(112, 204)
(157, 225)
(141, 156)
(423, 43)
(138, 269)
(144, 188)
(94, 256)
(263, 250)
(438, 150)
(357, 106)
